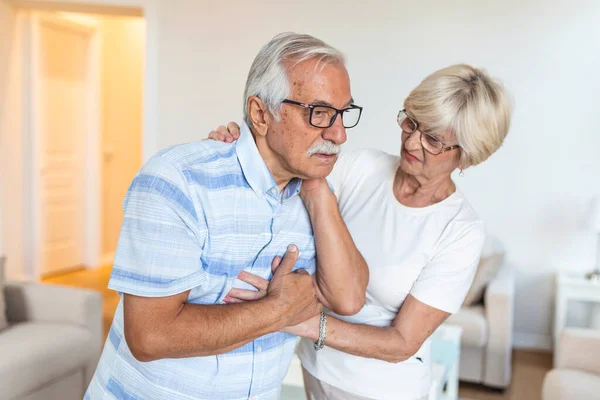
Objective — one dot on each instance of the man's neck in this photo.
(274, 163)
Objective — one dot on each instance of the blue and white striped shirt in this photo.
(196, 215)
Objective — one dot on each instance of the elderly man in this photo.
(200, 216)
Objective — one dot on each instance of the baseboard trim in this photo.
(523, 340)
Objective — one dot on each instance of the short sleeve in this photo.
(161, 238)
(445, 280)
(341, 170)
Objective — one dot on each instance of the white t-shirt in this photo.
(430, 252)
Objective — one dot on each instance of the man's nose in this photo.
(336, 132)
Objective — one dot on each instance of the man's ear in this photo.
(259, 115)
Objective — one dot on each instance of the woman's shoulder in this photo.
(461, 222)
(464, 208)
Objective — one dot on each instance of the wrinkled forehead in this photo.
(313, 80)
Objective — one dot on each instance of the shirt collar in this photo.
(255, 170)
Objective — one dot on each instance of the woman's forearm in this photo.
(382, 343)
(342, 273)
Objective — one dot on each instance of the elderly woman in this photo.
(419, 235)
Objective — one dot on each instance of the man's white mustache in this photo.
(326, 147)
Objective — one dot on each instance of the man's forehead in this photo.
(327, 86)
(318, 102)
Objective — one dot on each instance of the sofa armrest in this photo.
(52, 303)
(499, 310)
(579, 349)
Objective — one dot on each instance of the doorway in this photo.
(86, 79)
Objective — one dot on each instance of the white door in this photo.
(61, 56)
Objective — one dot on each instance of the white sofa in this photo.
(577, 372)
(486, 344)
(52, 344)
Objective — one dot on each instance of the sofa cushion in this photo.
(568, 384)
(3, 323)
(34, 354)
(472, 321)
(486, 271)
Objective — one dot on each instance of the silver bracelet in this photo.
(320, 343)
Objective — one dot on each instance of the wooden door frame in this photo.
(149, 10)
(92, 141)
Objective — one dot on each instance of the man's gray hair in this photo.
(268, 76)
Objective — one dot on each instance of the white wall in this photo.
(122, 87)
(547, 53)
(11, 172)
(530, 193)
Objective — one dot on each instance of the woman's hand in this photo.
(314, 191)
(226, 134)
(261, 284)
(308, 329)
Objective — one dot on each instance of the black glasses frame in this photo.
(332, 120)
(402, 114)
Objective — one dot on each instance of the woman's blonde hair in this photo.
(468, 102)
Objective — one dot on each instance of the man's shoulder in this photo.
(195, 155)
(202, 164)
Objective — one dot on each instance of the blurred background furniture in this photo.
(487, 321)
(52, 343)
(572, 287)
(577, 371)
(445, 360)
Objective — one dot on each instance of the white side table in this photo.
(445, 355)
(571, 287)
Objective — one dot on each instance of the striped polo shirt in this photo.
(196, 215)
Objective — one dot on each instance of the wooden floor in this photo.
(529, 367)
(528, 370)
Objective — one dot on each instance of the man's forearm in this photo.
(203, 330)
(342, 273)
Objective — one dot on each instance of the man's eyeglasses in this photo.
(325, 116)
(429, 143)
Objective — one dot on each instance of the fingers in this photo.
(254, 280)
(224, 131)
(214, 135)
(227, 134)
(246, 295)
(275, 263)
(289, 259)
(234, 130)
(231, 300)
(301, 272)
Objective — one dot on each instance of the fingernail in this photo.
(292, 248)
(226, 300)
